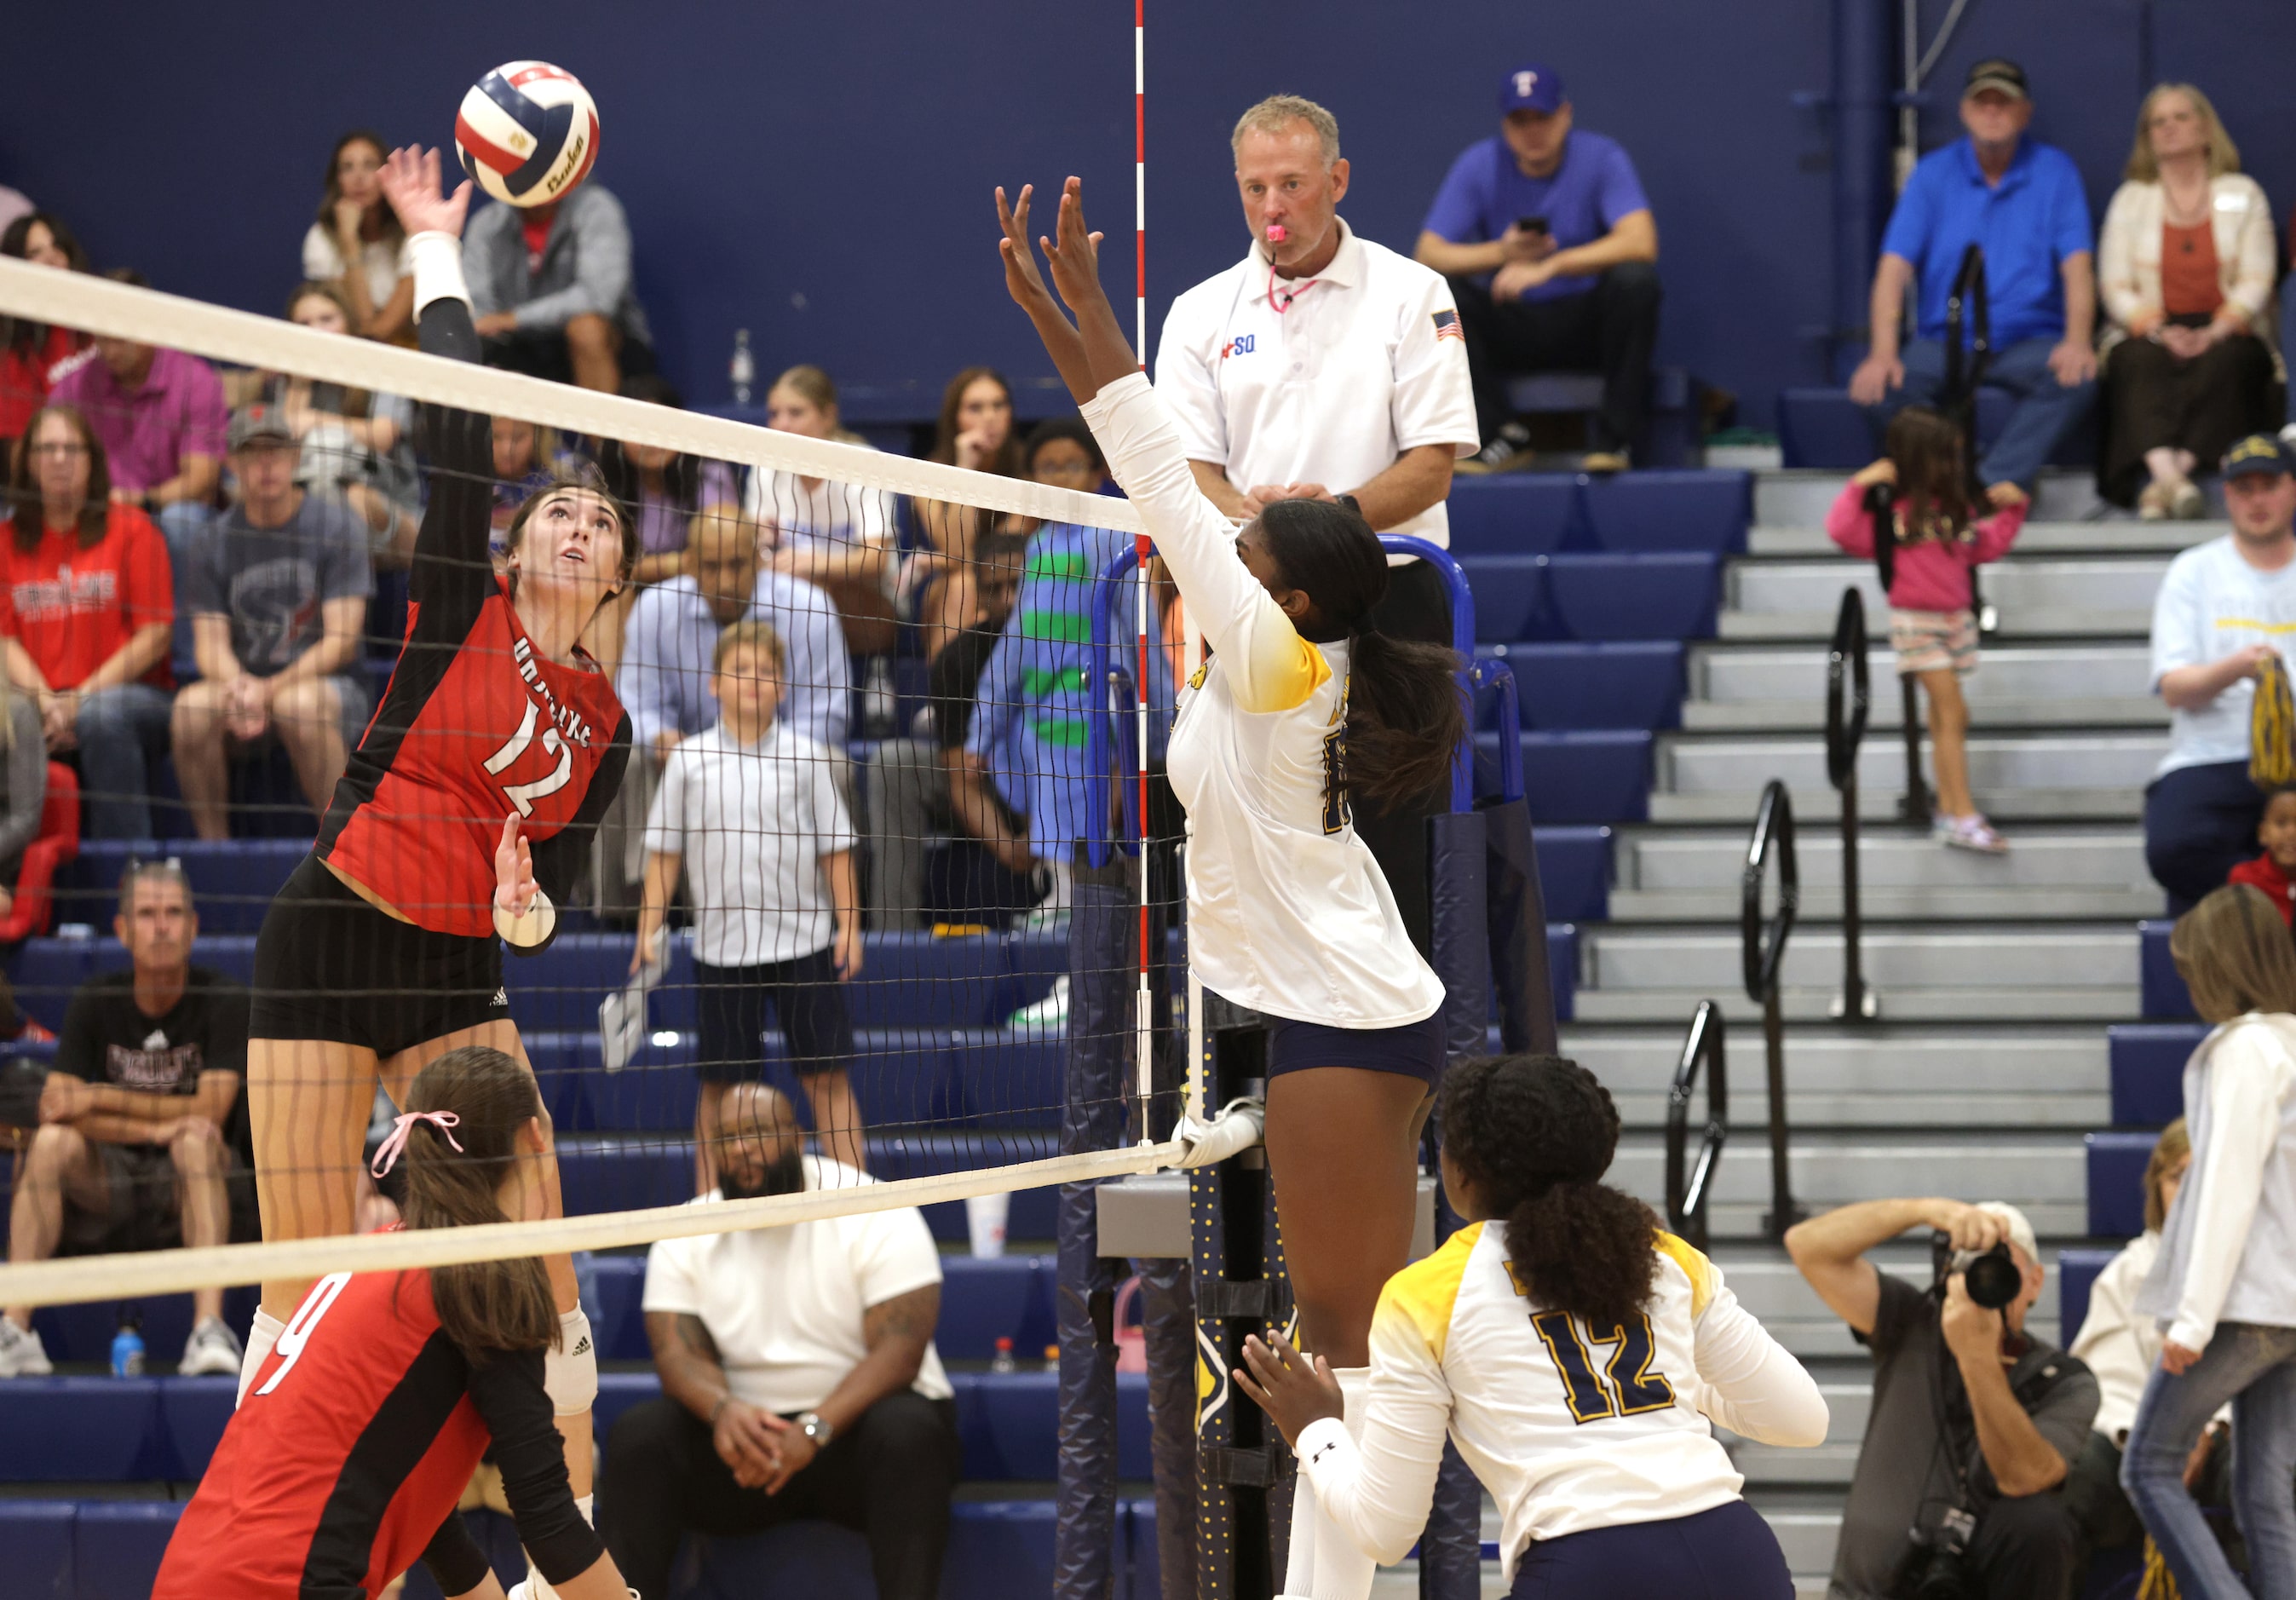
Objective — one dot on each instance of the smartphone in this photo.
(1531, 224)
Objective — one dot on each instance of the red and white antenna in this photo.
(1143, 1017)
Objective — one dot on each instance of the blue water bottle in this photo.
(128, 1347)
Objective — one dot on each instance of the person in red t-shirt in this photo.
(2274, 871)
(355, 1437)
(87, 608)
(33, 355)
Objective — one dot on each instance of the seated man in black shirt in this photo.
(1974, 1422)
(918, 787)
(139, 1118)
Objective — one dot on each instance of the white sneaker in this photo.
(1974, 832)
(212, 1350)
(21, 1353)
(1049, 1012)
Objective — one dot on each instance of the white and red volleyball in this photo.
(528, 133)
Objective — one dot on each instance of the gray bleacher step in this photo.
(1808, 1522)
(1889, 858)
(2020, 587)
(1816, 627)
(1816, 1003)
(1907, 903)
(1801, 497)
(1864, 1076)
(1802, 714)
(1722, 675)
(1692, 763)
(1878, 803)
(2031, 955)
(2035, 538)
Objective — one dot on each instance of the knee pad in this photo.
(570, 1373)
(260, 1338)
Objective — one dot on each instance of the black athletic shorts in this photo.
(806, 996)
(330, 966)
(1414, 1049)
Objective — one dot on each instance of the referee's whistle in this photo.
(1277, 232)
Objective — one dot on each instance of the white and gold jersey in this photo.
(1288, 913)
(1568, 1426)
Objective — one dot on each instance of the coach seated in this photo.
(142, 1141)
(798, 1377)
(1975, 1423)
(277, 589)
(550, 286)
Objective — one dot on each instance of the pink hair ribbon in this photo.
(387, 1157)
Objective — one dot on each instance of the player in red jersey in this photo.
(467, 805)
(343, 1462)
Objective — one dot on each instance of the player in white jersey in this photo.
(1573, 1351)
(1302, 705)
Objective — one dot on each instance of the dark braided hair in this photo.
(1535, 1134)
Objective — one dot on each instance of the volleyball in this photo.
(527, 132)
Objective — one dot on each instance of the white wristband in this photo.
(535, 927)
(437, 261)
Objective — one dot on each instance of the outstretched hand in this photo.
(410, 183)
(1074, 252)
(1292, 1387)
(1023, 281)
(514, 884)
(1091, 352)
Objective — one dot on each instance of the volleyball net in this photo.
(877, 773)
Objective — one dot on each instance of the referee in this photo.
(1322, 366)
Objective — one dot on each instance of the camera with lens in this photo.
(1993, 1278)
(1937, 1568)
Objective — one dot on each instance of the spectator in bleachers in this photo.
(357, 445)
(663, 487)
(277, 592)
(1061, 452)
(2274, 871)
(87, 611)
(1936, 542)
(551, 289)
(749, 814)
(975, 431)
(2224, 1283)
(141, 1125)
(922, 786)
(2185, 266)
(23, 793)
(798, 1377)
(33, 355)
(2122, 1348)
(2023, 200)
(161, 416)
(2224, 610)
(525, 456)
(840, 537)
(14, 203)
(356, 246)
(1552, 250)
(1936, 1353)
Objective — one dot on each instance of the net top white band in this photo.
(242, 339)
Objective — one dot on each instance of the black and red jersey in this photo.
(476, 725)
(357, 1435)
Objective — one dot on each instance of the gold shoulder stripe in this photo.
(1695, 1267)
(1426, 1290)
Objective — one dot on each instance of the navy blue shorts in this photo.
(1416, 1049)
(730, 1004)
(1728, 1553)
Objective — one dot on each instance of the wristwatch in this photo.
(815, 1427)
(1350, 501)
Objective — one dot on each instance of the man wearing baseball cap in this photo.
(1552, 252)
(2226, 609)
(2020, 202)
(1975, 1421)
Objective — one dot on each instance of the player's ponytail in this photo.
(1534, 1135)
(482, 1306)
(1407, 719)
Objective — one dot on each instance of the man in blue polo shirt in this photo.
(1551, 253)
(2022, 201)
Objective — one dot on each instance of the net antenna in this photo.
(1143, 1018)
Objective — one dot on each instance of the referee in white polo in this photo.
(1323, 366)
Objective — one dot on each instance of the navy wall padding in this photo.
(2116, 1183)
(1457, 874)
(2077, 1271)
(2162, 986)
(1618, 685)
(1533, 964)
(2148, 1070)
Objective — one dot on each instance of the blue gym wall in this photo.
(821, 174)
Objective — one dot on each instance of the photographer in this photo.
(1974, 1423)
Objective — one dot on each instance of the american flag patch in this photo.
(1447, 326)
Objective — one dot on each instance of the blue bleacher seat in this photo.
(1006, 1077)
(2116, 1183)
(1032, 1215)
(2148, 1071)
(1574, 872)
(612, 1295)
(1510, 597)
(997, 1548)
(233, 881)
(2077, 1271)
(2162, 987)
(624, 1174)
(1136, 1522)
(193, 1412)
(1596, 776)
(1514, 514)
(35, 1547)
(986, 1299)
(87, 1429)
(1632, 685)
(1690, 509)
(1662, 594)
(1562, 967)
(1825, 428)
(117, 1546)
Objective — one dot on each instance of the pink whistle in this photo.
(1277, 232)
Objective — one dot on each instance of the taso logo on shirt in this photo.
(1240, 345)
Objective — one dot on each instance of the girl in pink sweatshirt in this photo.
(1932, 626)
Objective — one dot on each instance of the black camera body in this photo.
(1937, 1568)
(1992, 1276)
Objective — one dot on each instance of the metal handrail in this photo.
(1686, 1197)
(1762, 953)
(1848, 678)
